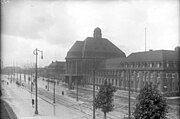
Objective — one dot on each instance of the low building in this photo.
(55, 70)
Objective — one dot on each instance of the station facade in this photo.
(110, 64)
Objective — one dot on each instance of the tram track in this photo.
(85, 108)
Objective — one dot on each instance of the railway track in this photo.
(85, 95)
(85, 108)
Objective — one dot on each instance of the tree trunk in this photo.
(104, 115)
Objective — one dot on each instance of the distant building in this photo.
(160, 67)
(55, 70)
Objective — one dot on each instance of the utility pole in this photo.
(24, 73)
(14, 70)
(48, 82)
(54, 91)
(94, 94)
(20, 77)
(129, 94)
(36, 110)
(11, 74)
(17, 75)
(77, 80)
(145, 38)
(35, 52)
(77, 88)
(31, 81)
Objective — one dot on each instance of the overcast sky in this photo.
(53, 26)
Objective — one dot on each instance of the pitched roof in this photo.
(56, 63)
(158, 55)
(76, 50)
(91, 48)
(95, 47)
(101, 48)
(148, 56)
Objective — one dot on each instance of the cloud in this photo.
(54, 26)
(38, 20)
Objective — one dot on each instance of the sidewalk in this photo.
(21, 102)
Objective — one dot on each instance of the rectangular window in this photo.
(167, 65)
(158, 65)
(150, 65)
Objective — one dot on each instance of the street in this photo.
(65, 106)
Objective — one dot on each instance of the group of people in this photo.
(47, 87)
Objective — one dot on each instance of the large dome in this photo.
(95, 47)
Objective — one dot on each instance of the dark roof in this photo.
(76, 50)
(148, 56)
(91, 48)
(95, 47)
(56, 64)
(158, 55)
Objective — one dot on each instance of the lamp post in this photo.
(129, 94)
(94, 78)
(35, 52)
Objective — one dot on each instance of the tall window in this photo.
(159, 64)
(167, 64)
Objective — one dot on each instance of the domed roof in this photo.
(95, 47)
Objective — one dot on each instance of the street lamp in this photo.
(35, 52)
(94, 78)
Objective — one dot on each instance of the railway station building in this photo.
(100, 55)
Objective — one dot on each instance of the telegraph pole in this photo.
(77, 88)
(94, 72)
(35, 52)
(48, 83)
(145, 38)
(94, 94)
(20, 77)
(129, 94)
(77, 80)
(36, 110)
(54, 91)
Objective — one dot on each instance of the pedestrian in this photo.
(62, 92)
(33, 103)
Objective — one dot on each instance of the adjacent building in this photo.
(55, 70)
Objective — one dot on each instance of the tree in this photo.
(104, 98)
(150, 104)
